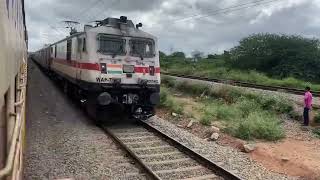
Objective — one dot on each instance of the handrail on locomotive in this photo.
(14, 159)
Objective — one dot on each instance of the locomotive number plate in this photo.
(128, 68)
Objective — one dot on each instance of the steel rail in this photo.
(184, 149)
(15, 145)
(201, 159)
(144, 166)
(244, 84)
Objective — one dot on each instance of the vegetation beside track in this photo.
(266, 59)
(243, 114)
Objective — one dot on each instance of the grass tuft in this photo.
(247, 114)
(167, 101)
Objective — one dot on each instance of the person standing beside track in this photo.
(307, 106)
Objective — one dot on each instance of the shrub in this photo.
(192, 88)
(206, 119)
(167, 101)
(248, 114)
(163, 96)
(228, 113)
(317, 118)
(316, 131)
(169, 81)
(258, 125)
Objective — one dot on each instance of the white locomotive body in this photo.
(111, 63)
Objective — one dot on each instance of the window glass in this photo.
(111, 45)
(142, 48)
(84, 45)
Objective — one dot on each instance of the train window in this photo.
(142, 48)
(69, 49)
(111, 45)
(84, 44)
(55, 51)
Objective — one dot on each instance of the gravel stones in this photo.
(214, 136)
(249, 147)
(61, 142)
(232, 160)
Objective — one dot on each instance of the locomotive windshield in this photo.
(111, 45)
(142, 48)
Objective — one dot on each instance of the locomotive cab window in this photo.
(142, 48)
(111, 45)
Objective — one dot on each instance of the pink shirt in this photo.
(308, 100)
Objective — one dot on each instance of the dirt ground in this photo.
(296, 155)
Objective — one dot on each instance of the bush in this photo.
(260, 125)
(206, 119)
(168, 81)
(317, 118)
(248, 114)
(167, 101)
(192, 88)
(316, 132)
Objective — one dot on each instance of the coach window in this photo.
(84, 45)
(69, 49)
(55, 51)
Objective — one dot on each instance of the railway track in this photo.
(162, 157)
(245, 84)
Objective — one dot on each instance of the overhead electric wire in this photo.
(222, 11)
(227, 8)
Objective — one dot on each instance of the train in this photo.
(110, 64)
(13, 80)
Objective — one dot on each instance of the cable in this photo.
(217, 10)
(222, 11)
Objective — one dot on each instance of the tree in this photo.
(278, 55)
(197, 55)
(178, 55)
(162, 55)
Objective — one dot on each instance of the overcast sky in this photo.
(180, 25)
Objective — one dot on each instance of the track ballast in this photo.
(162, 157)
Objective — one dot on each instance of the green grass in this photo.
(246, 114)
(316, 132)
(217, 69)
(167, 101)
(317, 118)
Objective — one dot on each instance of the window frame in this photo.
(152, 55)
(116, 38)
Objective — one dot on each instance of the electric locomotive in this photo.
(112, 63)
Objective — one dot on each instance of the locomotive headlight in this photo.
(104, 99)
(155, 98)
(103, 67)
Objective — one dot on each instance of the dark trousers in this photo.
(306, 116)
